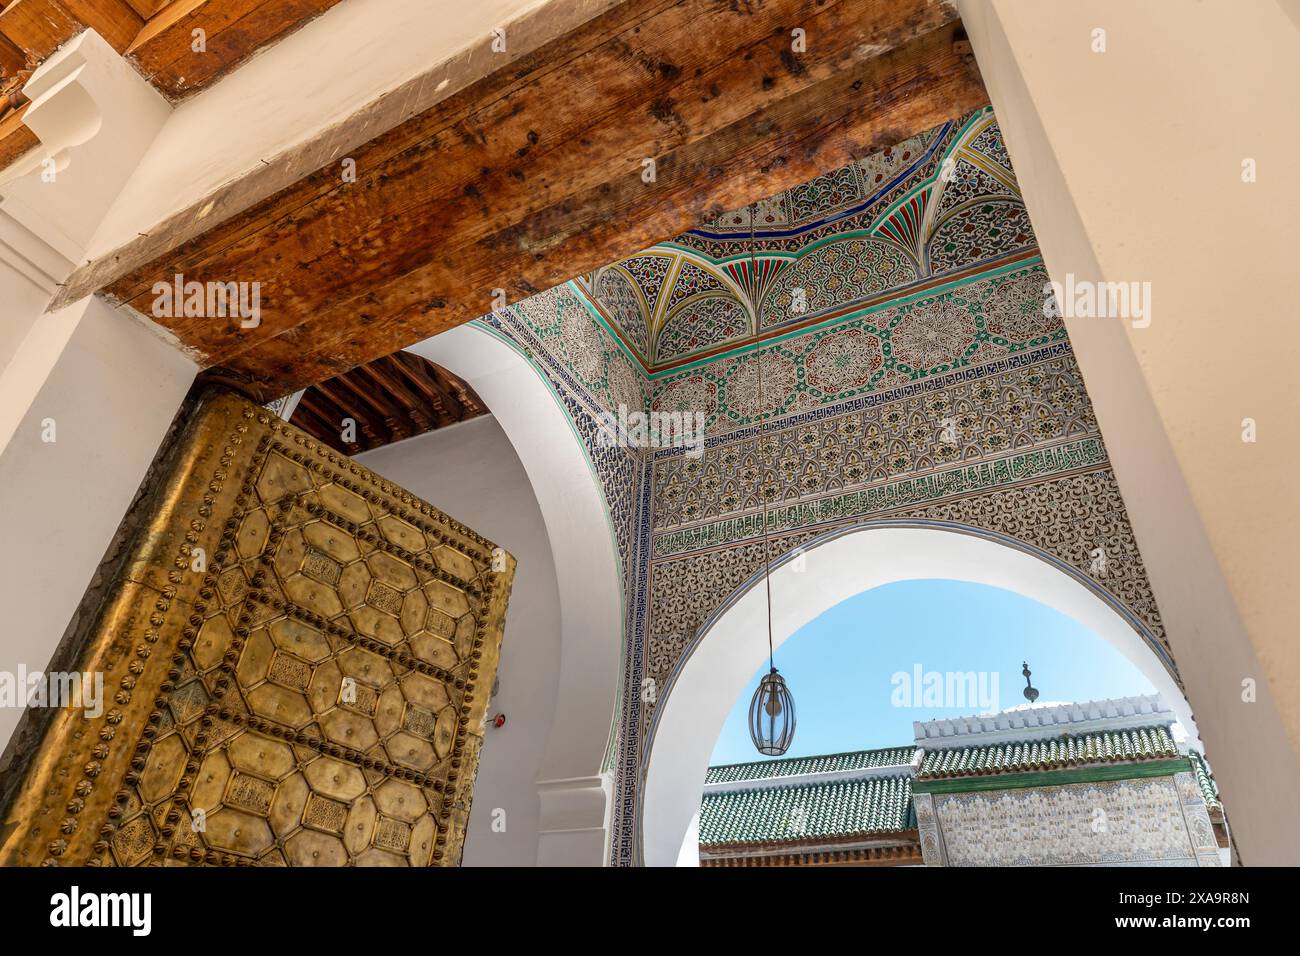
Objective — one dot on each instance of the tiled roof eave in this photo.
(1040, 766)
(832, 839)
(765, 772)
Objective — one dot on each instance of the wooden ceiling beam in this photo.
(466, 397)
(15, 138)
(157, 35)
(534, 173)
(350, 409)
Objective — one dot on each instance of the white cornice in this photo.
(95, 117)
(1039, 723)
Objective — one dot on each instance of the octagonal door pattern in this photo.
(296, 661)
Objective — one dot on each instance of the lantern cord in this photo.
(755, 302)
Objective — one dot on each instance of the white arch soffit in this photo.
(731, 647)
(586, 566)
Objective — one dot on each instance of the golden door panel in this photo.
(296, 667)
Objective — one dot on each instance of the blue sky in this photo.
(839, 666)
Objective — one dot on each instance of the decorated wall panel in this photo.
(911, 370)
(970, 323)
(1154, 821)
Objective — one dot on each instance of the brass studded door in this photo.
(296, 661)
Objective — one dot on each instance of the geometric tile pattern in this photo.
(979, 321)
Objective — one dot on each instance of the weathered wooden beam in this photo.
(38, 27)
(265, 186)
(535, 173)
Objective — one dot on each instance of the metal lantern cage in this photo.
(771, 716)
(771, 712)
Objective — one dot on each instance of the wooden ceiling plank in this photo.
(382, 411)
(146, 8)
(465, 395)
(350, 409)
(329, 414)
(12, 60)
(313, 420)
(229, 43)
(328, 422)
(168, 36)
(38, 27)
(363, 395)
(114, 20)
(398, 388)
(15, 137)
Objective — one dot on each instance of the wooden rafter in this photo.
(533, 174)
(389, 399)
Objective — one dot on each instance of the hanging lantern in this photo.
(771, 712)
(771, 716)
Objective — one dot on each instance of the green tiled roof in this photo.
(1208, 787)
(795, 766)
(1139, 743)
(838, 808)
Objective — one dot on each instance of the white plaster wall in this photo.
(471, 471)
(111, 388)
(1130, 162)
(22, 301)
(292, 90)
(575, 793)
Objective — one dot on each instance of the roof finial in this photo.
(1030, 692)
